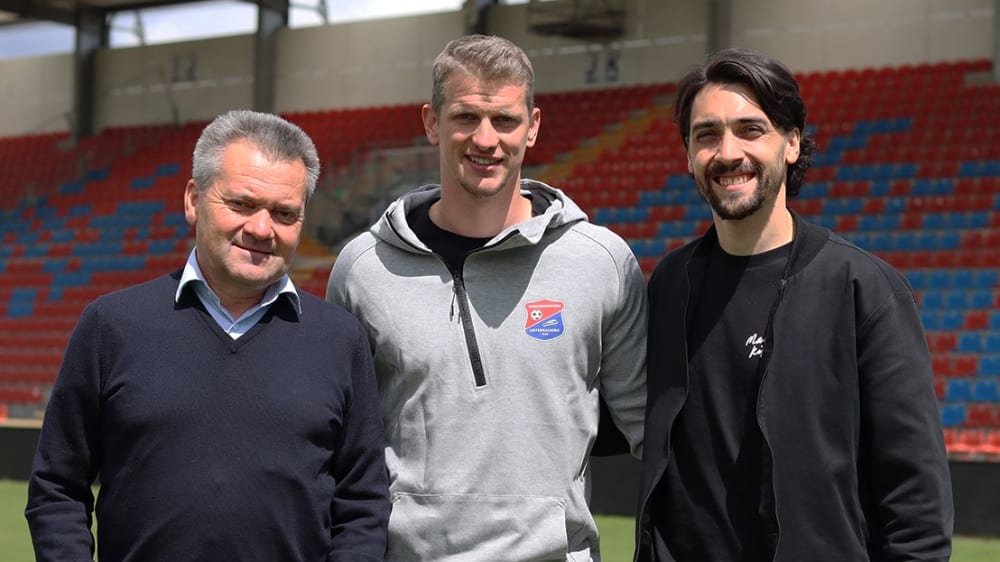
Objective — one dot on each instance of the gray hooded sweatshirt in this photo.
(489, 377)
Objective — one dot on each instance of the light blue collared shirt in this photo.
(234, 327)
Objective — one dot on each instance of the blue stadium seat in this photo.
(953, 415)
(979, 219)
(970, 342)
(958, 390)
(71, 279)
(917, 278)
(880, 188)
(905, 241)
(80, 210)
(97, 174)
(949, 240)
(699, 212)
(652, 197)
(989, 366)
(987, 278)
(939, 279)
(71, 188)
(168, 169)
(880, 242)
(970, 169)
(951, 319)
(142, 183)
(927, 241)
(895, 205)
(981, 299)
(932, 299)
(935, 221)
(962, 279)
(604, 216)
(36, 250)
(986, 391)
(929, 318)
(813, 190)
(991, 343)
(957, 300)
(54, 265)
(62, 235)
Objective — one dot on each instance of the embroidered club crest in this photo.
(544, 320)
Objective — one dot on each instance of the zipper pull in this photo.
(451, 314)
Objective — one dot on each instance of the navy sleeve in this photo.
(360, 507)
(60, 501)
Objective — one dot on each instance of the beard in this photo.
(769, 181)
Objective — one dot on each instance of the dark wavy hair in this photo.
(772, 84)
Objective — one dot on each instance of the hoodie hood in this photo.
(559, 210)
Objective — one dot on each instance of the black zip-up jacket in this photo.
(854, 460)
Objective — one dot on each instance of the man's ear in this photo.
(430, 123)
(794, 140)
(536, 122)
(191, 195)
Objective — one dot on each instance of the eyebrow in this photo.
(715, 123)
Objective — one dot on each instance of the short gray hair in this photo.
(489, 57)
(278, 139)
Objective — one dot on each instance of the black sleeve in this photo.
(610, 440)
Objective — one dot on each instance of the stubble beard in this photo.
(477, 190)
(768, 185)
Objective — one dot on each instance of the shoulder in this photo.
(860, 265)
(142, 297)
(674, 260)
(598, 240)
(330, 314)
(360, 247)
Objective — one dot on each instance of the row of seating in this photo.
(973, 444)
(964, 342)
(941, 211)
(969, 390)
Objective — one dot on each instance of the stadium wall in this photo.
(387, 61)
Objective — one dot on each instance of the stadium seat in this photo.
(970, 342)
(986, 391)
(980, 415)
(966, 365)
(970, 442)
(991, 447)
(953, 415)
(958, 390)
(942, 342)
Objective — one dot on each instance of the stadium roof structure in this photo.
(89, 17)
(66, 11)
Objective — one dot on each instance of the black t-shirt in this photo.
(706, 508)
(450, 246)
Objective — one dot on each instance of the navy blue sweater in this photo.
(268, 447)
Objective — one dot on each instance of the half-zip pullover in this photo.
(490, 420)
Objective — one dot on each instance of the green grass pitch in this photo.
(616, 533)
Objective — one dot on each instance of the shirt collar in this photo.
(192, 274)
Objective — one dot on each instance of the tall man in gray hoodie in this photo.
(498, 317)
